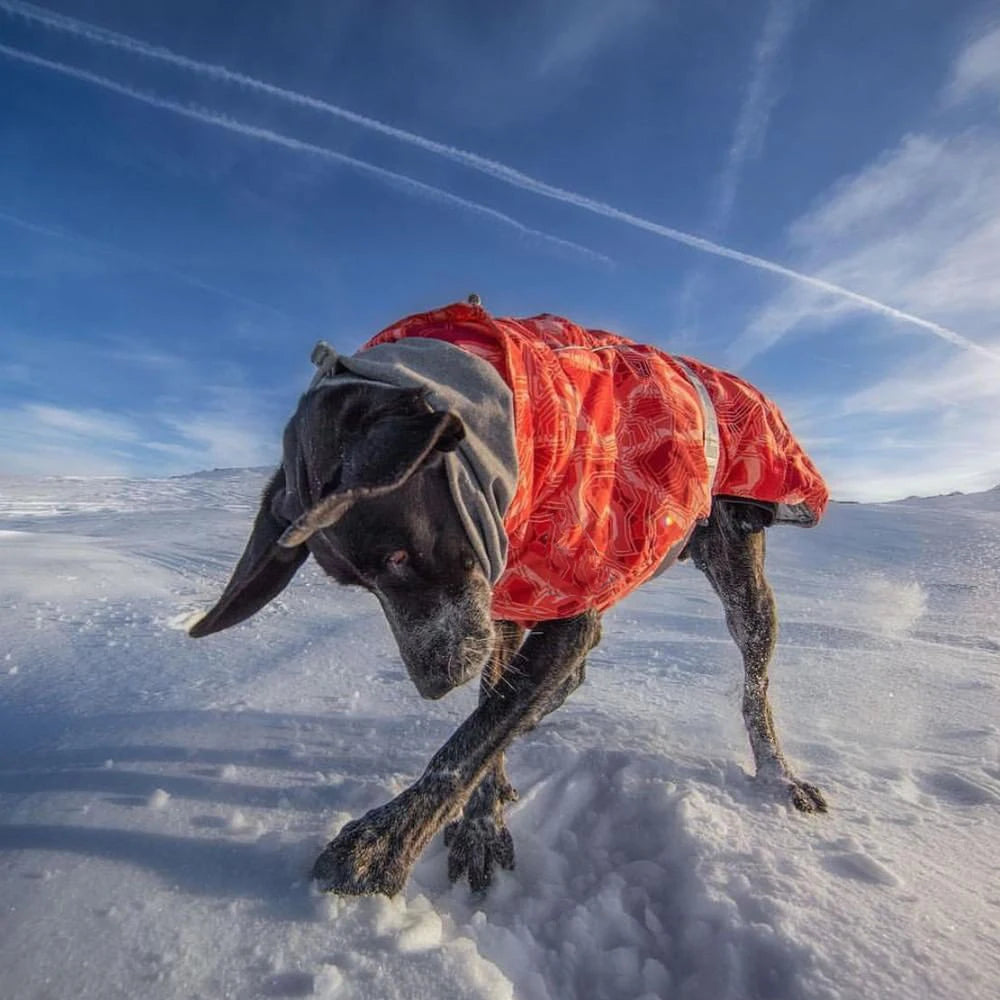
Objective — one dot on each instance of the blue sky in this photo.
(192, 193)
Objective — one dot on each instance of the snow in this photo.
(161, 799)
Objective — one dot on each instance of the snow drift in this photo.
(161, 800)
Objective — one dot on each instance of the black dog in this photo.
(363, 487)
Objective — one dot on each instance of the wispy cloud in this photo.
(930, 423)
(584, 29)
(958, 382)
(40, 438)
(921, 223)
(217, 440)
(81, 423)
(759, 99)
(43, 439)
(185, 417)
(868, 477)
(946, 422)
(884, 458)
(977, 69)
(493, 168)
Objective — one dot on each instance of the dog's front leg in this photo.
(374, 854)
(479, 840)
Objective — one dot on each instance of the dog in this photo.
(497, 484)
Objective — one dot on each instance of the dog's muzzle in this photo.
(439, 671)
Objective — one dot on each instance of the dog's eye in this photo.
(397, 559)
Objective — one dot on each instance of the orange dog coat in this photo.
(611, 446)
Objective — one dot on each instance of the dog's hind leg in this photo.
(729, 550)
(479, 840)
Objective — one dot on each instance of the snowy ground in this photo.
(161, 799)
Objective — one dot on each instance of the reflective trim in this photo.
(712, 444)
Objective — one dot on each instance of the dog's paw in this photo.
(367, 857)
(805, 797)
(475, 847)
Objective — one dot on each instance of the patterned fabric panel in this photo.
(760, 459)
(610, 438)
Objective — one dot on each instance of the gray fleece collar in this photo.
(482, 471)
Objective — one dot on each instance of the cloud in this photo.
(219, 438)
(894, 465)
(229, 424)
(80, 423)
(582, 30)
(224, 430)
(977, 69)
(493, 168)
(47, 440)
(931, 425)
(920, 224)
(520, 62)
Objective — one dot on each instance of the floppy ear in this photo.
(391, 451)
(264, 569)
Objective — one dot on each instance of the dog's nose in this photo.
(433, 688)
(436, 681)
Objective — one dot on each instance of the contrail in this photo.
(758, 103)
(266, 135)
(500, 171)
(759, 99)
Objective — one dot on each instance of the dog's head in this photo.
(363, 487)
